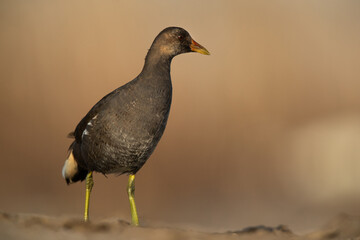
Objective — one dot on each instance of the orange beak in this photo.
(195, 47)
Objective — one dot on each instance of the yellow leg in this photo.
(89, 186)
(131, 191)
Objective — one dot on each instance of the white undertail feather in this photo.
(70, 168)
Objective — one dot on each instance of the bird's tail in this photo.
(71, 171)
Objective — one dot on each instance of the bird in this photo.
(121, 131)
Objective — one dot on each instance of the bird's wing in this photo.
(80, 128)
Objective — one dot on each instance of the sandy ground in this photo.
(30, 226)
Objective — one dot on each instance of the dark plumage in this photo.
(121, 131)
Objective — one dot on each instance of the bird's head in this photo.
(173, 41)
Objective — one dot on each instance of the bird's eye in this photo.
(180, 37)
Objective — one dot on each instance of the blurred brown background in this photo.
(266, 130)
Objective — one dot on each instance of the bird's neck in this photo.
(157, 63)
